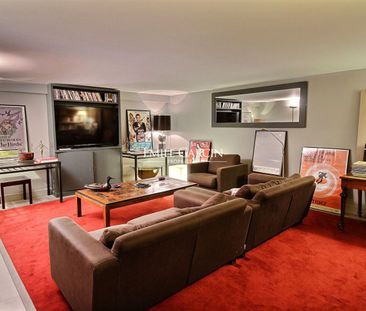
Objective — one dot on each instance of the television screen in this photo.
(78, 127)
(228, 116)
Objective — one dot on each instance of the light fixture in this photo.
(294, 103)
(161, 123)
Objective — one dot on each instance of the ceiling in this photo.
(178, 45)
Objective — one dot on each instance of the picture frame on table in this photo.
(13, 130)
(199, 151)
(139, 130)
(326, 165)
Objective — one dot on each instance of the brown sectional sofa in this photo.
(147, 265)
(274, 209)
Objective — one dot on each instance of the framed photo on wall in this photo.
(199, 151)
(13, 130)
(139, 132)
(326, 165)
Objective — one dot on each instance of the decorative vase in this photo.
(25, 156)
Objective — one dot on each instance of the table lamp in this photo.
(161, 123)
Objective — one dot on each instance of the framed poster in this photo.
(139, 130)
(268, 152)
(199, 151)
(326, 165)
(13, 130)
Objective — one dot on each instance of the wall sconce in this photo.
(161, 123)
(294, 103)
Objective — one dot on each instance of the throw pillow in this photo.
(231, 191)
(215, 199)
(154, 218)
(249, 191)
(188, 210)
(110, 234)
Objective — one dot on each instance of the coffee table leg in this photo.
(78, 204)
(107, 216)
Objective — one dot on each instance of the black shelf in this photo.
(84, 101)
(70, 101)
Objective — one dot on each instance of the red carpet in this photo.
(310, 267)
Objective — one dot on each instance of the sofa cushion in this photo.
(154, 218)
(215, 199)
(218, 161)
(110, 234)
(204, 179)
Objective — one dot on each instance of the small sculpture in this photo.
(107, 186)
(41, 148)
(100, 187)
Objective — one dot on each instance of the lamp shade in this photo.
(161, 123)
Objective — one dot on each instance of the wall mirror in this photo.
(272, 106)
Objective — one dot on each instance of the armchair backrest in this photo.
(223, 160)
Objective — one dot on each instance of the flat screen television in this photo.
(228, 116)
(82, 127)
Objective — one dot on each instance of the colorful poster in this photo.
(13, 130)
(199, 151)
(326, 165)
(139, 130)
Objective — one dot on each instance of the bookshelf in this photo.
(85, 163)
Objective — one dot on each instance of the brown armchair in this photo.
(220, 173)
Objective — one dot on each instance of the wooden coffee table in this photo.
(128, 193)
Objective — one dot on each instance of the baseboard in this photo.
(38, 193)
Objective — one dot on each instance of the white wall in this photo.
(332, 118)
(33, 96)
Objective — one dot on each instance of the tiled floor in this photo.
(20, 203)
(13, 296)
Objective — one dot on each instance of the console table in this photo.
(13, 166)
(148, 154)
(351, 182)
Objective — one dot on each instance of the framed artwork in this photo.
(326, 165)
(269, 151)
(13, 130)
(139, 133)
(199, 151)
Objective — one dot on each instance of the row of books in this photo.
(228, 105)
(359, 169)
(60, 94)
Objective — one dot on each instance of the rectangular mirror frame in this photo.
(303, 105)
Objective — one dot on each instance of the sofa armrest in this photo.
(83, 268)
(256, 178)
(231, 176)
(199, 167)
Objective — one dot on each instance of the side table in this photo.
(351, 182)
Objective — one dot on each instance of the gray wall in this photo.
(332, 118)
(33, 96)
